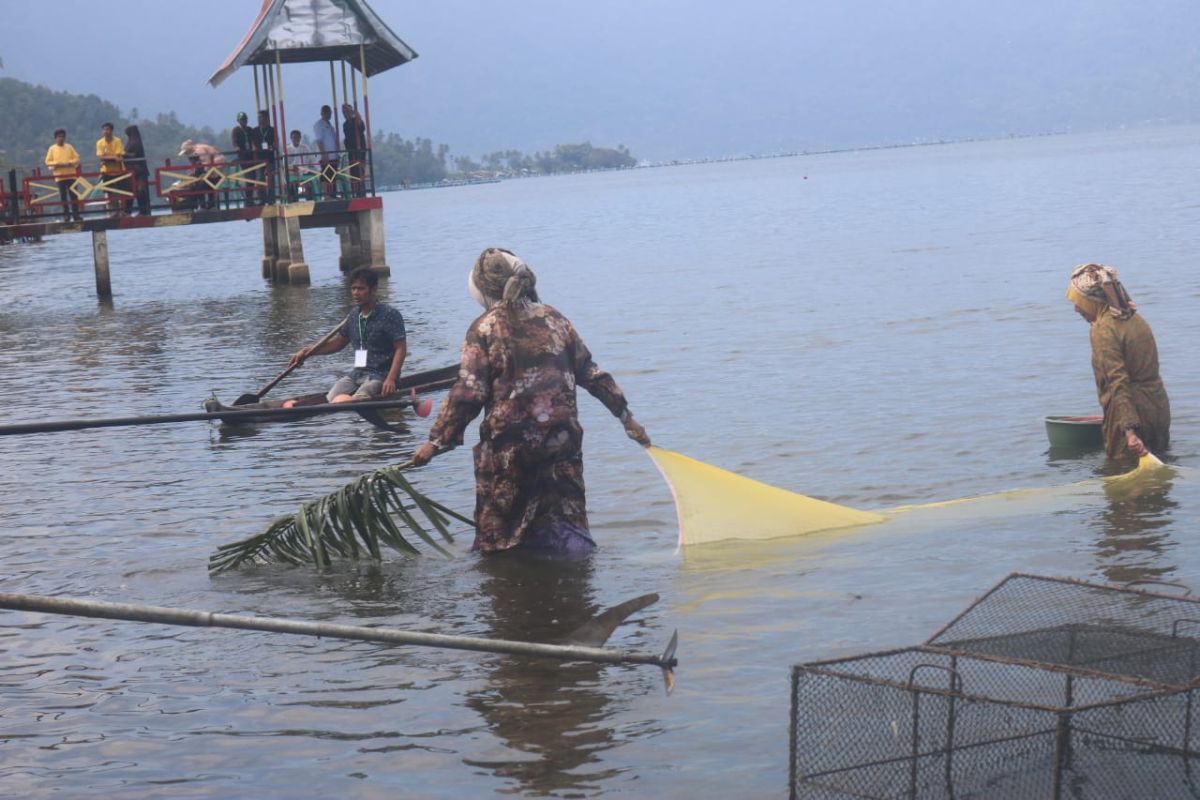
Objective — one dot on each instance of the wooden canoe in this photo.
(420, 382)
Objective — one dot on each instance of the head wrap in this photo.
(500, 277)
(1095, 288)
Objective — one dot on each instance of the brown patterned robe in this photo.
(529, 461)
(1125, 362)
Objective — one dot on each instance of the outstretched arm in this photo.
(464, 402)
(604, 388)
(332, 346)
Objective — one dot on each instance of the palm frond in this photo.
(379, 509)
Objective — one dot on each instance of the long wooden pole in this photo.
(281, 131)
(362, 60)
(208, 619)
(333, 91)
(257, 101)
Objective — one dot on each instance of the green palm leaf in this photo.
(379, 509)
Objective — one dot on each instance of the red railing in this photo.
(214, 180)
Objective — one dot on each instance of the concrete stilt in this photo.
(370, 227)
(283, 255)
(297, 269)
(352, 247)
(270, 247)
(100, 259)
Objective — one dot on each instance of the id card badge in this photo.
(360, 358)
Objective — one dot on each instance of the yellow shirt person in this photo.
(111, 152)
(62, 159)
(63, 162)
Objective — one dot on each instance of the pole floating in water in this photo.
(208, 619)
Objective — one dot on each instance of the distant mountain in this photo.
(32, 113)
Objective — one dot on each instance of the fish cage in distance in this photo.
(1043, 688)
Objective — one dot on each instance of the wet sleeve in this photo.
(1112, 376)
(598, 383)
(468, 394)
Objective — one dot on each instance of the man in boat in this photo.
(376, 334)
(521, 361)
(1137, 413)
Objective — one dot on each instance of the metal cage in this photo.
(1043, 688)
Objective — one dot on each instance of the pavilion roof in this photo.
(317, 30)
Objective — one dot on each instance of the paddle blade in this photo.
(714, 504)
(422, 407)
(595, 632)
(246, 399)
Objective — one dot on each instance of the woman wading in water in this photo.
(1137, 414)
(521, 362)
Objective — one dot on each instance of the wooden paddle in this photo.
(248, 398)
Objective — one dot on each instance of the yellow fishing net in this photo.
(714, 504)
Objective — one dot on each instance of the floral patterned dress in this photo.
(522, 372)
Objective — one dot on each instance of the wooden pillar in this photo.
(370, 227)
(297, 269)
(100, 259)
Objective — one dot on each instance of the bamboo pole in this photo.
(207, 619)
(281, 129)
(334, 107)
(345, 96)
(257, 102)
(272, 173)
(362, 60)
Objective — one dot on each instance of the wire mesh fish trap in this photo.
(1112, 630)
(1043, 688)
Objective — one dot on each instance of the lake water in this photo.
(873, 328)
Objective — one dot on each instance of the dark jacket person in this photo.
(1137, 413)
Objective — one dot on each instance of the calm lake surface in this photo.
(873, 328)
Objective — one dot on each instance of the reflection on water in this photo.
(551, 716)
(1133, 530)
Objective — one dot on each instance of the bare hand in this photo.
(635, 431)
(1135, 444)
(424, 454)
(299, 357)
(389, 387)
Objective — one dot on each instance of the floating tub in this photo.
(1074, 431)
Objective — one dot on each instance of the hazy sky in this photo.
(667, 78)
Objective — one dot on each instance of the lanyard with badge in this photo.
(360, 355)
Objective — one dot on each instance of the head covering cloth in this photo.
(1096, 288)
(500, 277)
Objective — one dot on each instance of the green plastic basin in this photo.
(1074, 431)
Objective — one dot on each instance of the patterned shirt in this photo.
(380, 330)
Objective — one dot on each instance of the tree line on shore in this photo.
(32, 113)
